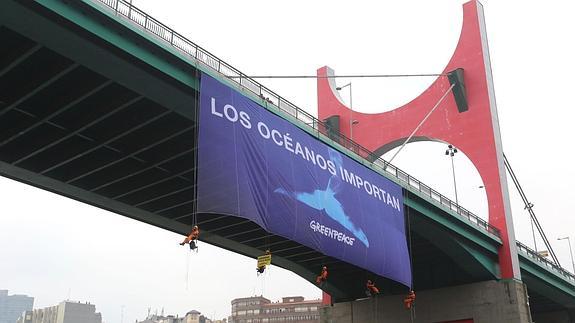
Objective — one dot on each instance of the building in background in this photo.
(45, 315)
(26, 317)
(192, 316)
(67, 312)
(12, 307)
(261, 310)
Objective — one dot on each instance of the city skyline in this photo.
(290, 301)
(11, 306)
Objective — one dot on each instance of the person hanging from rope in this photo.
(192, 238)
(409, 299)
(320, 280)
(372, 290)
(261, 268)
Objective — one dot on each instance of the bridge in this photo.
(99, 103)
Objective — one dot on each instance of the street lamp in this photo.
(528, 207)
(351, 121)
(451, 151)
(570, 251)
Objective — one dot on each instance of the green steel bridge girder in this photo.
(92, 37)
(134, 44)
(547, 283)
(473, 250)
(453, 223)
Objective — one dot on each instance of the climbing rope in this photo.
(410, 247)
(409, 238)
(196, 141)
(194, 218)
(375, 302)
(188, 269)
(419, 125)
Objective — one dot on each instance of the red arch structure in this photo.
(475, 131)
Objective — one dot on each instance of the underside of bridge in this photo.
(107, 117)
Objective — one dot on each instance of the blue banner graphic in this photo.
(256, 165)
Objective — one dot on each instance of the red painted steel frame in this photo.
(475, 132)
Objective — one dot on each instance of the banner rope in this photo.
(196, 142)
(410, 242)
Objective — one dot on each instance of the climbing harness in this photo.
(409, 299)
(371, 290)
(322, 278)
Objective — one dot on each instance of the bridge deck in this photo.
(98, 103)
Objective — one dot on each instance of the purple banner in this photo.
(255, 165)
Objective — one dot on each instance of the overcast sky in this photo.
(54, 248)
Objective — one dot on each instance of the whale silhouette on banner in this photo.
(325, 200)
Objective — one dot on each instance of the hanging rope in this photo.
(196, 141)
(188, 269)
(375, 296)
(264, 283)
(194, 201)
(195, 174)
(409, 238)
(420, 124)
(410, 247)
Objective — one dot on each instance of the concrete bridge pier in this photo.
(483, 302)
(555, 317)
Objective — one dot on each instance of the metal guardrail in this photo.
(125, 9)
(545, 262)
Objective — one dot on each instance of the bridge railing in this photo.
(545, 262)
(125, 9)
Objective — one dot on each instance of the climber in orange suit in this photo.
(409, 299)
(371, 289)
(322, 277)
(192, 238)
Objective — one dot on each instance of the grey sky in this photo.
(54, 247)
